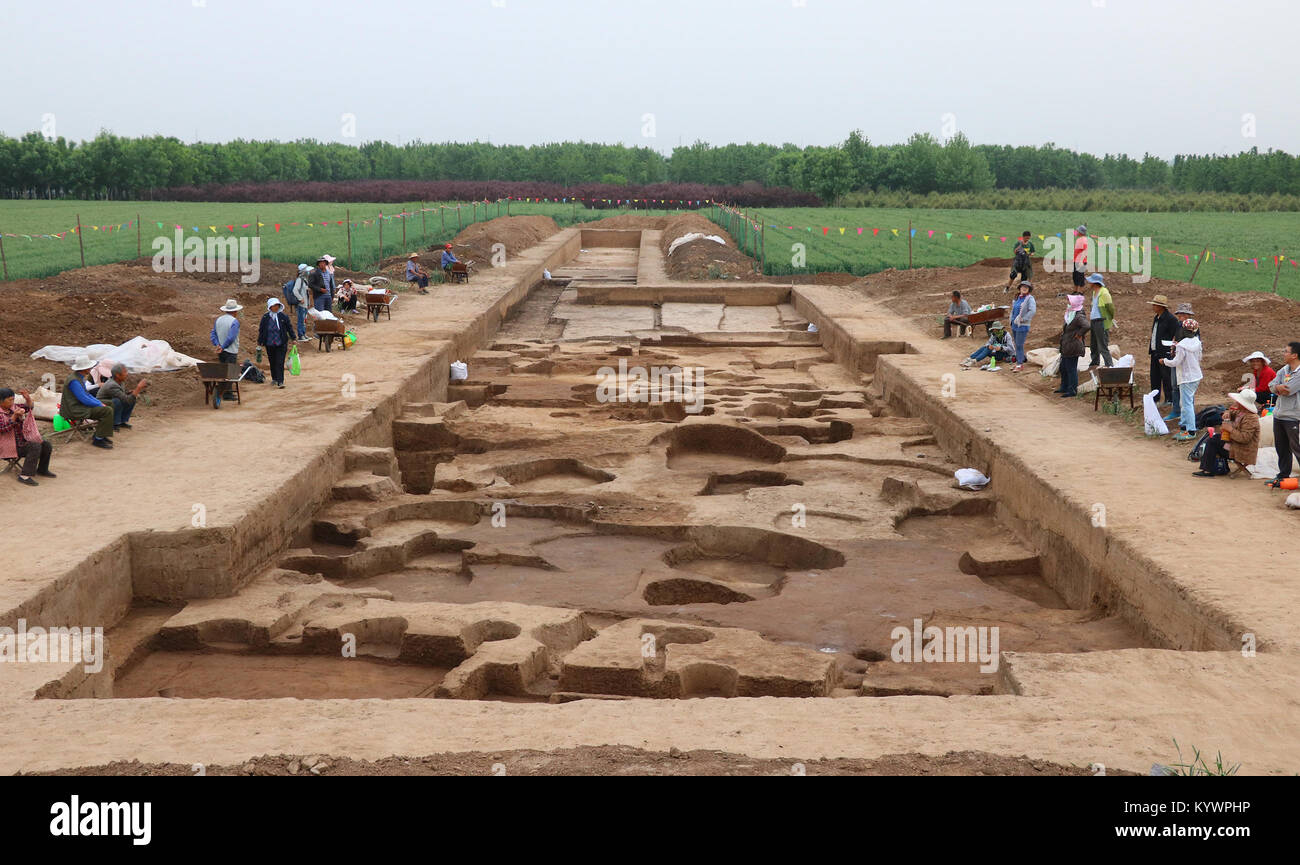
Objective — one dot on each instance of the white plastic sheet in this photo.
(139, 354)
(1155, 424)
(695, 235)
(971, 479)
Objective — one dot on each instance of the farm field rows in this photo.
(305, 229)
(834, 242)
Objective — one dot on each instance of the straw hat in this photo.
(82, 363)
(1159, 300)
(1246, 399)
(231, 306)
(1259, 355)
(413, 255)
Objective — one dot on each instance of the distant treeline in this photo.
(113, 167)
(595, 195)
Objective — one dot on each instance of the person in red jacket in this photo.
(19, 438)
(1260, 377)
(1080, 256)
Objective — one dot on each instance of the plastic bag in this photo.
(295, 363)
(350, 338)
(459, 371)
(1154, 423)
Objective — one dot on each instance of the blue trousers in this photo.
(302, 320)
(1020, 337)
(122, 410)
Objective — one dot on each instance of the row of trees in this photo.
(111, 166)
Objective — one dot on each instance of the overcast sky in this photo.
(1168, 76)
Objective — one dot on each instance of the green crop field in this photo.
(106, 242)
(833, 242)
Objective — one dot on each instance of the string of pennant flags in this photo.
(405, 214)
(929, 233)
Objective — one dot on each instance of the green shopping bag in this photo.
(295, 365)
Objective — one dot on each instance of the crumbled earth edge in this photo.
(603, 760)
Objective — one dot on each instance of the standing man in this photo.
(1164, 329)
(225, 336)
(1023, 264)
(1080, 255)
(1101, 320)
(958, 314)
(330, 285)
(113, 392)
(273, 333)
(77, 403)
(321, 299)
(1286, 414)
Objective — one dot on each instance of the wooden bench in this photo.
(327, 330)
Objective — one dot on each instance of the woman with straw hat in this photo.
(1238, 437)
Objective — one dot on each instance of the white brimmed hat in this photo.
(328, 258)
(1246, 399)
(303, 267)
(82, 363)
(231, 306)
(1259, 355)
(273, 302)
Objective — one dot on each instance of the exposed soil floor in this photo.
(604, 761)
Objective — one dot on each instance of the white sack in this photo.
(970, 479)
(1154, 423)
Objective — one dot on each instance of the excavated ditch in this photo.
(533, 539)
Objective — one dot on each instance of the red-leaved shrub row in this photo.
(595, 194)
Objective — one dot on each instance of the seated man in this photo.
(958, 314)
(448, 259)
(1000, 346)
(347, 297)
(19, 438)
(77, 403)
(1237, 440)
(417, 274)
(114, 392)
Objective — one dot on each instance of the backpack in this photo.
(252, 373)
(288, 292)
(1199, 450)
(1211, 416)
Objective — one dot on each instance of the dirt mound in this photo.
(703, 259)
(630, 221)
(475, 243)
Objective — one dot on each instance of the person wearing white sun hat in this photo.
(275, 332)
(225, 336)
(77, 404)
(1238, 437)
(1261, 376)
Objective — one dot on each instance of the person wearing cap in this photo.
(1260, 377)
(1080, 255)
(296, 294)
(448, 259)
(1182, 313)
(319, 281)
(1022, 264)
(1237, 439)
(19, 438)
(225, 336)
(999, 345)
(1187, 361)
(1100, 321)
(1023, 311)
(273, 333)
(77, 404)
(113, 392)
(1286, 411)
(1164, 329)
(417, 274)
(330, 283)
(1076, 325)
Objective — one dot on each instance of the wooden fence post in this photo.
(349, 218)
(80, 242)
(1199, 259)
(4, 263)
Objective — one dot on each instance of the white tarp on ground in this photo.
(139, 354)
(693, 236)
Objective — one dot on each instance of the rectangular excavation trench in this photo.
(524, 540)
